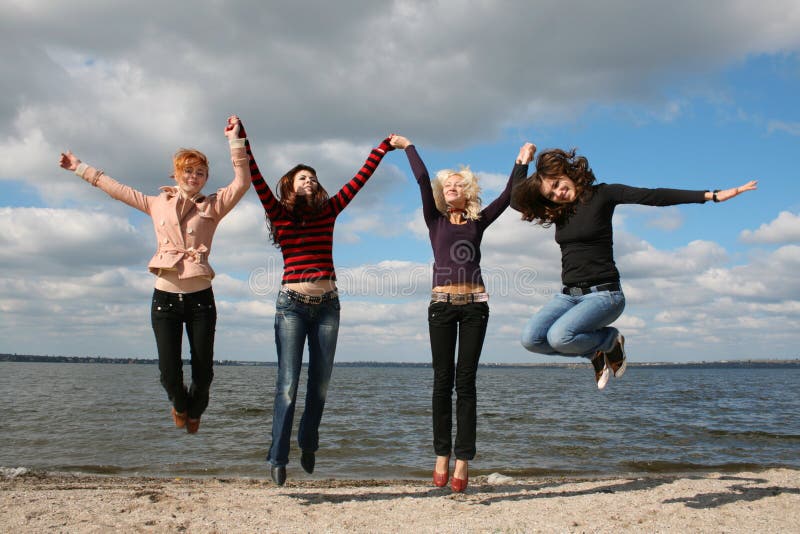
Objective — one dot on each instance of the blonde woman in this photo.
(459, 310)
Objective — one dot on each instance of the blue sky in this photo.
(704, 99)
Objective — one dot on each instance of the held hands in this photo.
(727, 194)
(398, 141)
(233, 127)
(526, 153)
(68, 161)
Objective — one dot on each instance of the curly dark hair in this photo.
(535, 207)
(301, 207)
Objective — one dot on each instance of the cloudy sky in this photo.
(685, 94)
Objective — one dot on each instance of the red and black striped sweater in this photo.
(307, 242)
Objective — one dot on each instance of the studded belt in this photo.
(459, 298)
(309, 299)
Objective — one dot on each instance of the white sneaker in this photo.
(601, 370)
(615, 358)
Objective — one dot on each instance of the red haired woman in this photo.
(185, 221)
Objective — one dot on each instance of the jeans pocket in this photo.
(162, 309)
(437, 312)
(284, 304)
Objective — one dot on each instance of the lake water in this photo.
(114, 419)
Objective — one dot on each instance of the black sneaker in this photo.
(616, 357)
(601, 371)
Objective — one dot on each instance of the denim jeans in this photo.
(170, 311)
(448, 324)
(294, 323)
(575, 326)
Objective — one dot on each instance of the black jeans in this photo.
(169, 313)
(465, 324)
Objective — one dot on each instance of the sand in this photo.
(753, 502)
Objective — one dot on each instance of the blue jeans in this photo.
(575, 326)
(294, 323)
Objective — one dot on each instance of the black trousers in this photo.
(198, 312)
(449, 325)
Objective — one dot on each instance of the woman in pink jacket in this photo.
(185, 220)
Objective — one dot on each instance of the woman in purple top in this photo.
(459, 309)
(576, 322)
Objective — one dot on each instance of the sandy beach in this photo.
(762, 501)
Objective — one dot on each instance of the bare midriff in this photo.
(460, 289)
(168, 281)
(313, 289)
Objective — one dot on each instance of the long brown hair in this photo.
(551, 164)
(301, 207)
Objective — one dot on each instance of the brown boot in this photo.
(192, 425)
(179, 418)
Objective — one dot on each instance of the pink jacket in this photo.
(183, 245)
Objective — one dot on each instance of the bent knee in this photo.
(534, 343)
(560, 341)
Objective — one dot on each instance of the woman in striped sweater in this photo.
(301, 220)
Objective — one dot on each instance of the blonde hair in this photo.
(471, 191)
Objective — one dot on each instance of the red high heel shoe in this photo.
(459, 484)
(440, 479)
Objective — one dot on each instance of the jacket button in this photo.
(191, 230)
(163, 222)
(166, 240)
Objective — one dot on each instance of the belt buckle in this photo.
(459, 300)
(575, 291)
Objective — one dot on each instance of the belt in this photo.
(578, 291)
(459, 298)
(309, 299)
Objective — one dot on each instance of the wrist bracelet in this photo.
(714, 195)
(81, 169)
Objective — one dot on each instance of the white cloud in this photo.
(784, 229)
(58, 241)
(646, 262)
(323, 89)
(792, 128)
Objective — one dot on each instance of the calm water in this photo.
(111, 418)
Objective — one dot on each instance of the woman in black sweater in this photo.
(575, 322)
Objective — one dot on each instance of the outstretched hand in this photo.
(233, 127)
(727, 194)
(68, 161)
(398, 141)
(526, 153)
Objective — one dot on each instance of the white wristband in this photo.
(238, 142)
(81, 169)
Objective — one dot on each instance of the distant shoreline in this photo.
(761, 363)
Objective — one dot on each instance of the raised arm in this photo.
(271, 205)
(227, 197)
(518, 173)
(341, 199)
(98, 178)
(429, 210)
